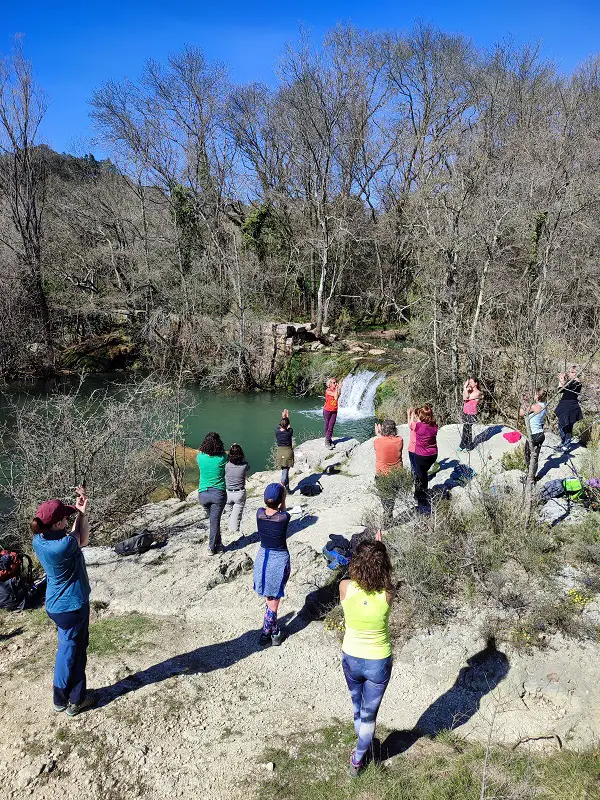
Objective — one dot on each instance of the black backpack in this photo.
(311, 489)
(552, 489)
(140, 543)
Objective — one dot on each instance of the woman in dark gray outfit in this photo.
(284, 436)
(236, 470)
(568, 409)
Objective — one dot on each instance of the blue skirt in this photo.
(271, 572)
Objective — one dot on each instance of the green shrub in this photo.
(392, 398)
(307, 372)
(515, 459)
(587, 432)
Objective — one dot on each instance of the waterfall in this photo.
(358, 395)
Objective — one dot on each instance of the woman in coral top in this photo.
(330, 409)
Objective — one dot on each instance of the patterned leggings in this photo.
(367, 680)
(270, 624)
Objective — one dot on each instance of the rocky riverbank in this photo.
(189, 701)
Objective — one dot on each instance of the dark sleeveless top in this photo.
(272, 530)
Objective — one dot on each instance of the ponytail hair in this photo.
(37, 526)
(285, 423)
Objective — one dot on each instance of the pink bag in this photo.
(512, 436)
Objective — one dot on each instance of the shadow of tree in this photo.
(484, 671)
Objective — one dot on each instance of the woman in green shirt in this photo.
(211, 492)
(366, 650)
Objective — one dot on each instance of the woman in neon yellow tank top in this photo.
(366, 651)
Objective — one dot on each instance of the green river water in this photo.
(249, 418)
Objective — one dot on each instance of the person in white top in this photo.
(536, 414)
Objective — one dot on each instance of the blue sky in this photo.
(75, 46)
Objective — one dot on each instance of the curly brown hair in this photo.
(212, 444)
(371, 568)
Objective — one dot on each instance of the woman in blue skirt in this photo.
(272, 564)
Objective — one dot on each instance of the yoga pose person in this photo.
(388, 456)
(236, 470)
(272, 564)
(471, 397)
(366, 650)
(568, 410)
(330, 409)
(284, 458)
(67, 595)
(422, 422)
(211, 491)
(536, 413)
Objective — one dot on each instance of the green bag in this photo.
(574, 488)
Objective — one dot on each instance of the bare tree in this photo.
(23, 177)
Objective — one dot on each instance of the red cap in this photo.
(52, 511)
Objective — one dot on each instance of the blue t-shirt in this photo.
(68, 585)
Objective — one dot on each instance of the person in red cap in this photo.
(67, 595)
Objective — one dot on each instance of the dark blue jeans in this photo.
(71, 655)
(566, 433)
(367, 680)
(213, 501)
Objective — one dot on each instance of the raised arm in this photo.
(81, 526)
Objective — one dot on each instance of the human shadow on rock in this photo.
(486, 435)
(460, 475)
(558, 459)
(207, 658)
(484, 671)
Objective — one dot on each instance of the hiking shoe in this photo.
(264, 639)
(277, 638)
(354, 769)
(59, 708)
(88, 701)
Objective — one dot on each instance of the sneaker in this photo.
(353, 769)
(264, 639)
(278, 638)
(59, 708)
(88, 701)
(460, 449)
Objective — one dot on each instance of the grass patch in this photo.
(444, 768)
(113, 635)
(514, 459)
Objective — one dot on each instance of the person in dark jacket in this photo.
(67, 595)
(568, 410)
(272, 563)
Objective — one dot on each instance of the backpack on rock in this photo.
(16, 580)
